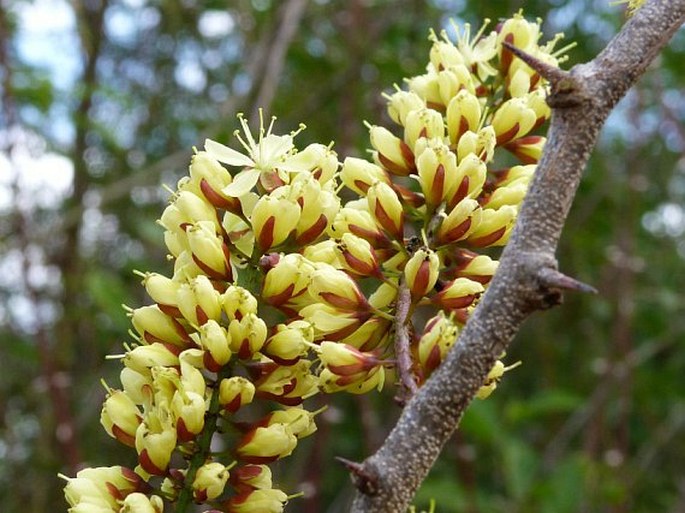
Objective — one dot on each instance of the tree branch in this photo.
(522, 283)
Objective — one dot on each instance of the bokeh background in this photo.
(102, 101)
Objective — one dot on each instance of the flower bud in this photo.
(518, 83)
(471, 175)
(421, 272)
(238, 302)
(527, 149)
(512, 120)
(163, 291)
(142, 358)
(153, 325)
(345, 360)
(518, 32)
(359, 175)
(288, 279)
(359, 383)
(209, 251)
(331, 322)
(235, 392)
(537, 102)
(370, 335)
(443, 54)
(480, 269)
(401, 103)
(461, 220)
(266, 444)
(188, 408)
(210, 480)
(135, 383)
(481, 144)
(185, 267)
(338, 289)
(393, 153)
(463, 114)
(427, 87)
(453, 80)
(213, 339)
(209, 177)
(300, 421)
(319, 207)
(251, 477)
(155, 441)
(437, 170)
(268, 500)
(425, 123)
(140, 503)
(289, 342)
(273, 219)
(185, 210)
(247, 335)
(275, 382)
(199, 301)
(438, 336)
(493, 227)
(120, 417)
(358, 255)
(457, 294)
(386, 209)
(507, 195)
(317, 159)
(100, 488)
(361, 223)
(324, 252)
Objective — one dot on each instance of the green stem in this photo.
(203, 443)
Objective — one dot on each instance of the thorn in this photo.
(545, 70)
(365, 481)
(553, 278)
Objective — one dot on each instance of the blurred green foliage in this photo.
(593, 420)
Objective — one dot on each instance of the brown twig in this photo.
(431, 416)
(403, 343)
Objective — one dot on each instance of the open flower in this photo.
(264, 157)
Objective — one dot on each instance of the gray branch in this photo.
(527, 279)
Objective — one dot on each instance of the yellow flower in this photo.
(209, 481)
(263, 156)
(266, 444)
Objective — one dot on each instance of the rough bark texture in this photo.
(527, 279)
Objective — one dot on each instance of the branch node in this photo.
(364, 480)
(554, 279)
(566, 91)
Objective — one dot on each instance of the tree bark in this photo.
(527, 279)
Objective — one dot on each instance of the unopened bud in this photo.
(247, 335)
(393, 152)
(235, 392)
(266, 444)
(421, 272)
(493, 227)
(423, 123)
(210, 480)
(209, 251)
(386, 209)
(463, 114)
(401, 103)
(359, 175)
(120, 417)
(199, 301)
(273, 219)
(268, 500)
(457, 294)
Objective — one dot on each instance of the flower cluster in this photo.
(281, 288)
